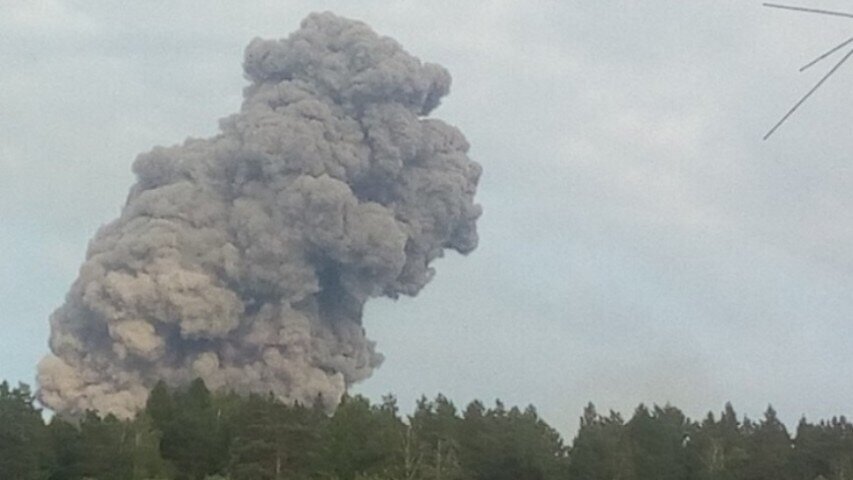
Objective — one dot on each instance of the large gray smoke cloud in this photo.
(245, 259)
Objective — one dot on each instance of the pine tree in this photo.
(194, 438)
(67, 450)
(364, 440)
(274, 441)
(433, 438)
(160, 406)
(146, 461)
(718, 449)
(769, 448)
(24, 442)
(599, 450)
(509, 445)
(106, 448)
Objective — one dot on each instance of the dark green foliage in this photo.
(105, 448)
(433, 441)
(496, 444)
(718, 449)
(770, 449)
(825, 449)
(160, 406)
(657, 441)
(192, 434)
(67, 450)
(146, 460)
(363, 439)
(599, 449)
(272, 441)
(24, 444)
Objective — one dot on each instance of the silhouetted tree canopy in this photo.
(193, 434)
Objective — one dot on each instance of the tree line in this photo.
(193, 434)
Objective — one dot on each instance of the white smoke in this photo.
(245, 259)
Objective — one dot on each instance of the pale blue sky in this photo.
(640, 243)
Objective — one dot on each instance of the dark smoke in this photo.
(246, 258)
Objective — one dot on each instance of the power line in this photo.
(839, 47)
(808, 10)
(806, 96)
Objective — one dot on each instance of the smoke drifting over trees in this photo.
(246, 258)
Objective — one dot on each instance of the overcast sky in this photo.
(640, 242)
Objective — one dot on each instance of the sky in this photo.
(639, 242)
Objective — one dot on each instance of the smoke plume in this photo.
(246, 258)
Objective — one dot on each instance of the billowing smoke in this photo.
(246, 258)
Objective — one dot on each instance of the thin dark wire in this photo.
(797, 105)
(809, 10)
(839, 47)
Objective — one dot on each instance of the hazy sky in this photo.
(640, 243)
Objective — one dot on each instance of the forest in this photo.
(194, 434)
